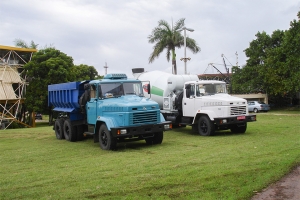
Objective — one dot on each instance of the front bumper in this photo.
(234, 120)
(140, 130)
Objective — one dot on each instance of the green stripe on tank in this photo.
(157, 91)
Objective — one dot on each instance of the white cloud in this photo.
(95, 32)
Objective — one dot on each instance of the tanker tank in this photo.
(163, 84)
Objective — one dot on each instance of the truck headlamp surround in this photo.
(223, 121)
(167, 126)
(122, 131)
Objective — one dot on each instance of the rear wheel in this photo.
(239, 128)
(106, 141)
(205, 126)
(70, 131)
(58, 127)
(255, 110)
(79, 132)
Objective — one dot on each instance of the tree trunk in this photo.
(174, 67)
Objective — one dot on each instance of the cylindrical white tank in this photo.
(163, 84)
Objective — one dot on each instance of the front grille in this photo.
(144, 117)
(238, 110)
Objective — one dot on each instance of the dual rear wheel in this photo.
(65, 130)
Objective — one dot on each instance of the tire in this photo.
(156, 139)
(80, 132)
(195, 128)
(205, 126)
(59, 129)
(255, 110)
(106, 141)
(70, 131)
(239, 128)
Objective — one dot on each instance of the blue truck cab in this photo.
(112, 109)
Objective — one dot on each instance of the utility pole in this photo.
(105, 67)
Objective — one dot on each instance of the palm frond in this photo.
(192, 45)
(179, 24)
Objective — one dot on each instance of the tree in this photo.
(273, 65)
(47, 66)
(23, 44)
(84, 72)
(252, 77)
(166, 37)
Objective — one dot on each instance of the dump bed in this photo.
(64, 97)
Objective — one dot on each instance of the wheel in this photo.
(239, 128)
(58, 127)
(106, 141)
(80, 132)
(195, 128)
(255, 110)
(205, 126)
(156, 139)
(70, 131)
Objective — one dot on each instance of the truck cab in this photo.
(208, 107)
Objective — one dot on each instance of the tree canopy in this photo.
(166, 37)
(84, 72)
(273, 64)
(50, 66)
(47, 66)
(23, 44)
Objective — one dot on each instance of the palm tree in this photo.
(166, 37)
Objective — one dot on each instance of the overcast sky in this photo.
(93, 32)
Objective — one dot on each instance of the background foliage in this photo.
(50, 66)
(273, 65)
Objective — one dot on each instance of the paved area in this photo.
(288, 188)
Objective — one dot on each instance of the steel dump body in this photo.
(64, 97)
(112, 109)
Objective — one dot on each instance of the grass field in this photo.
(35, 165)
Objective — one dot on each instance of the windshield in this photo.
(210, 89)
(118, 89)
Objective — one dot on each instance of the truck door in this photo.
(188, 101)
(92, 106)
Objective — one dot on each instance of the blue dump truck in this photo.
(112, 109)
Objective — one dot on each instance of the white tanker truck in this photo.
(203, 104)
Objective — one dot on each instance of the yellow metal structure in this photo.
(13, 85)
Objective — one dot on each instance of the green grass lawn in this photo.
(35, 165)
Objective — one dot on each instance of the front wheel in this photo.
(205, 126)
(239, 128)
(156, 139)
(106, 141)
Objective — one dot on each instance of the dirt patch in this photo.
(286, 188)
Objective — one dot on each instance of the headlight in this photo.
(168, 126)
(122, 131)
(223, 121)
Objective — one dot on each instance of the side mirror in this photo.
(148, 88)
